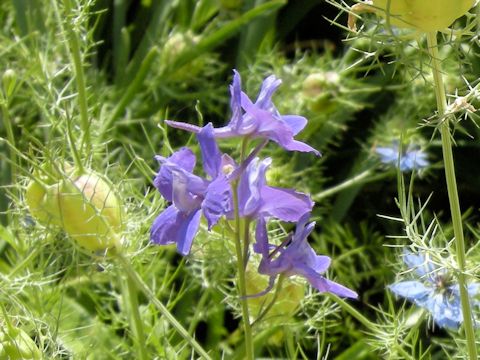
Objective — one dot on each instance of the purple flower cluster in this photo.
(194, 196)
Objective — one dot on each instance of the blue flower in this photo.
(191, 195)
(296, 257)
(435, 291)
(258, 120)
(411, 159)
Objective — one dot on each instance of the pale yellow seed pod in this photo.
(85, 206)
(35, 197)
(421, 15)
(15, 344)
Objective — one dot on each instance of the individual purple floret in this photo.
(258, 120)
(435, 291)
(190, 194)
(296, 257)
(411, 159)
(258, 200)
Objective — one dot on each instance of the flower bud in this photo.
(83, 205)
(9, 80)
(15, 344)
(423, 15)
(319, 90)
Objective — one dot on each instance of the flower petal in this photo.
(295, 122)
(165, 227)
(183, 158)
(217, 201)
(284, 204)
(187, 230)
(250, 185)
(340, 290)
(446, 313)
(412, 290)
(261, 237)
(236, 102)
(420, 263)
(269, 86)
(324, 285)
(184, 126)
(183, 198)
(210, 152)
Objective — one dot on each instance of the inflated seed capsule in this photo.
(15, 344)
(83, 205)
(422, 15)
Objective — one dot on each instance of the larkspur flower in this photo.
(190, 194)
(258, 120)
(435, 291)
(258, 200)
(411, 159)
(296, 258)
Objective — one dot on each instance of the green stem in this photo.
(246, 243)
(11, 140)
(356, 180)
(74, 47)
(140, 284)
(452, 192)
(130, 295)
(247, 329)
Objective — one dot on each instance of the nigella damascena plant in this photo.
(409, 159)
(295, 256)
(258, 120)
(435, 290)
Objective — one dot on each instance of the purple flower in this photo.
(296, 258)
(435, 291)
(411, 159)
(258, 200)
(258, 120)
(190, 194)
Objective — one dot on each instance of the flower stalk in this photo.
(131, 298)
(74, 47)
(240, 250)
(452, 191)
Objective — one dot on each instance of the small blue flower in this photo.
(411, 159)
(296, 257)
(435, 291)
(259, 120)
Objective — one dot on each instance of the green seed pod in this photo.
(423, 15)
(15, 344)
(84, 206)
